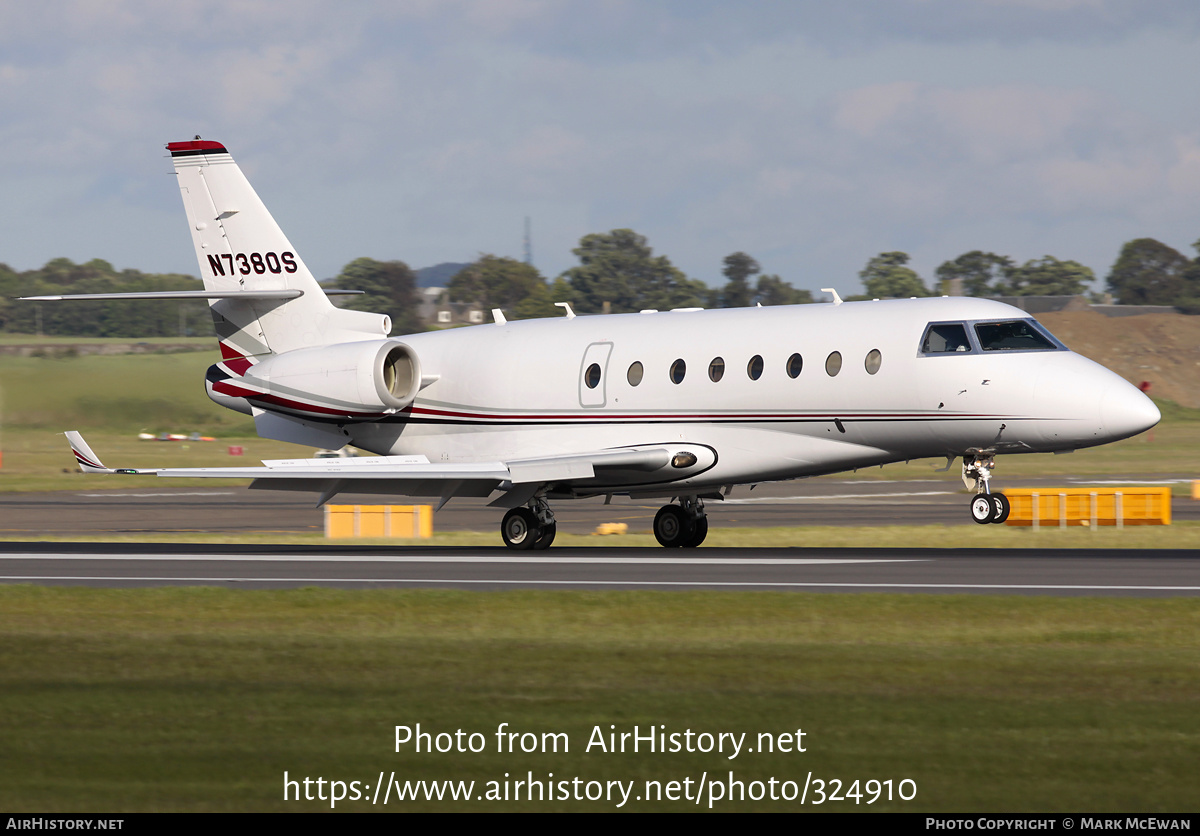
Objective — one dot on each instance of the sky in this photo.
(811, 135)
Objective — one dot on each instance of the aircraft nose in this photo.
(1126, 411)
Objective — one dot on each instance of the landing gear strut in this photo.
(532, 527)
(681, 526)
(986, 507)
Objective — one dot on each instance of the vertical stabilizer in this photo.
(240, 248)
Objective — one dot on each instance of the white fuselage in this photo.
(521, 389)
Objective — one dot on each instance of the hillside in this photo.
(1163, 349)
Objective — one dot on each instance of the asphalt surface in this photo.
(959, 571)
(150, 507)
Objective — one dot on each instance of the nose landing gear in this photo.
(986, 507)
(681, 526)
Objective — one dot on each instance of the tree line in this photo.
(618, 272)
(98, 319)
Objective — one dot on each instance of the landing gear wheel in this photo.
(672, 528)
(544, 539)
(982, 509)
(698, 534)
(1001, 507)
(520, 529)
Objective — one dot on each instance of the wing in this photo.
(518, 479)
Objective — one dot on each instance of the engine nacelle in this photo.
(349, 381)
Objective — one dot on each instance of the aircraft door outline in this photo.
(592, 386)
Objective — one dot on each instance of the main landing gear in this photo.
(681, 526)
(532, 527)
(986, 507)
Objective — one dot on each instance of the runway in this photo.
(147, 506)
(1075, 572)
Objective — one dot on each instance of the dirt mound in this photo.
(1162, 349)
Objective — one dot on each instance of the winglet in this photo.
(89, 462)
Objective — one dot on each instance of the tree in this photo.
(620, 269)
(101, 319)
(739, 267)
(389, 287)
(1048, 276)
(496, 282)
(982, 274)
(1148, 272)
(772, 290)
(885, 276)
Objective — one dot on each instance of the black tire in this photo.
(699, 532)
(1001, 508)
(982, 509)
(546, 537)
(672, 528)
(520, 529)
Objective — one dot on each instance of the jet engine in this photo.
(348, 382)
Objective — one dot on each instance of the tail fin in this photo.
(241, 248)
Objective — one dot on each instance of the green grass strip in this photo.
(200, 699)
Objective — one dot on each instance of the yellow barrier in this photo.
(612, 528)
(344, 521)
(1089, 506)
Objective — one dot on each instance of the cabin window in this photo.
(874, 361)
(1017, 335)
(591, 378)
(634, 375)
(754, 368)
(795, 365)
(678, 370)
(716, 369)
(945, 338)
(833, 364)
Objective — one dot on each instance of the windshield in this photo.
(945, 337)
(1017, 335)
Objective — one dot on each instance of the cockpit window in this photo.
(945, 338)
(1016, 335)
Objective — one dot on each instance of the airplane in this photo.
(681, 405)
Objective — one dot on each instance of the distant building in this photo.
(437, 311)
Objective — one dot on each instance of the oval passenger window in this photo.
(833, 364)
(874, 361)
(754, 368)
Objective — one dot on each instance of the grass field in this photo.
(200, 699)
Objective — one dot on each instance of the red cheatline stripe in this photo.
(82, 459)
(227, 388)
(737, 416)
(237, 365)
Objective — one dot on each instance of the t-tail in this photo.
(301, 366)
(270, 302)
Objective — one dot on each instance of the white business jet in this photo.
(680, 404)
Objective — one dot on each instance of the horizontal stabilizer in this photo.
(247, 295)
